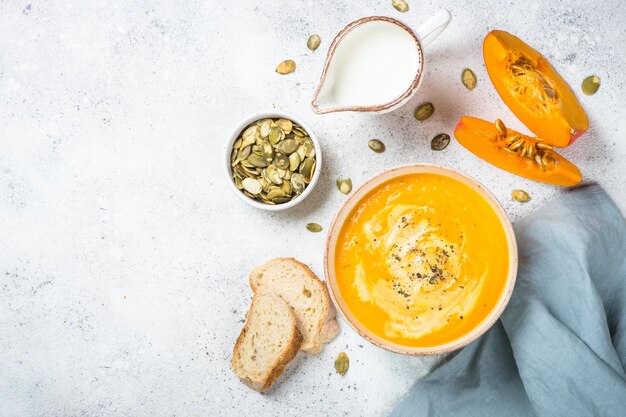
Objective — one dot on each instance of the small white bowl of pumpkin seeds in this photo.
(273, 160)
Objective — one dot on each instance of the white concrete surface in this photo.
(124, 256)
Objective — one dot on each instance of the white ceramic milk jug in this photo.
(375, 64)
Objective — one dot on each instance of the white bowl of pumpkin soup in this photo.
(421, 260)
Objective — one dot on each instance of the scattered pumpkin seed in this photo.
(591, 84)
(400, 5)
(344, 185)
(468, 78)
(342, 363)
(424, 111)
(313, 227)
(286, 67)
(440, 142)
(520, 196)
(273, 161)
(313, 42)
(376, 145)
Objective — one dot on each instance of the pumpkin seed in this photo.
(297, 183)
(276, 193)
(517, 144)
(251, 185)
(264, 127)
(342, 363)
(520, 196)
(440, 142)
(502, 132)
(286, 187)
(286, 67)
(539, 161)
(267, 151)
(287, 146)
(544, 146)
(294, 161)
(400, 5)
(281, 161)
(376, 145)
(424, 111)
(285, 125)
(313, 42)
(257, 160)
(301, 151)
(313, 227)
(306, 169)
(276, 134)
(273, 175)
(591, 84)
(273, 160)
(344, 185)
(309, 148)
(468, 78)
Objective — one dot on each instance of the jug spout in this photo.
(323, 101)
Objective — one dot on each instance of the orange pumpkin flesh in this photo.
(533, 90)
(482, 139)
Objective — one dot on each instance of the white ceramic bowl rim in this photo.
(239, 129)
(345, 210)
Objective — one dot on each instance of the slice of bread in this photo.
(269, 340)
(295, 283)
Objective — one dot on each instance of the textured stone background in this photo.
(124, 256)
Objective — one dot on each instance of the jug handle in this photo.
(430, 29)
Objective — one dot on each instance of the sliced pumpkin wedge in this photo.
(518, 154)
(533, 90)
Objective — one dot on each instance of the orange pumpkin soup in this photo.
(421, 260)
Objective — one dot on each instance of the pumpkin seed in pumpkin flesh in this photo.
(520, 196)
(468, 78)
(400, 5)
(376, 145)
(591, 85)
(344, 185)
(424, 111)
(342, 363)
(501, 128)
(313, 227)
(313, 42)
(286, 67)
(440, 142)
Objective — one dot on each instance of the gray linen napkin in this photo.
(559, 349)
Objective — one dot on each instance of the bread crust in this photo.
(273, 373)
(328, 325)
